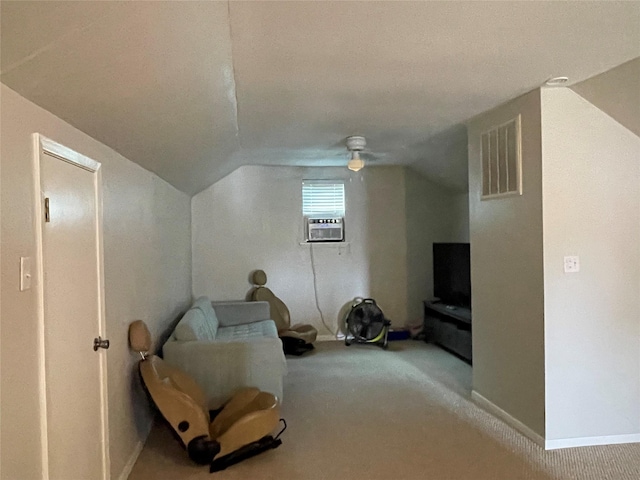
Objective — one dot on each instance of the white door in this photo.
(74, 372)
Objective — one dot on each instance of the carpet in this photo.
(361, 412)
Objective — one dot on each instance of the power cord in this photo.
(315, 291)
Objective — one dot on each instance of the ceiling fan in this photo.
(356, 145)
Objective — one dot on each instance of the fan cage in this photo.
(366, 322)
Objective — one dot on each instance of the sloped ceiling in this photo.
(192, 90)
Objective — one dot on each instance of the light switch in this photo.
(25, 273)
(571, 264)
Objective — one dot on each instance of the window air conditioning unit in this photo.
(325, 229)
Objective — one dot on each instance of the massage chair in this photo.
(240, 429)
(296, 339)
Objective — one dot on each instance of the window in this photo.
(323, 210)
(322, 198)
(501, 164)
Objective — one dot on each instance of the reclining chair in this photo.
(296, 339)
(240, 429)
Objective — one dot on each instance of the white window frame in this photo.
(316, 213)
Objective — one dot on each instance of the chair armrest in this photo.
(238, 313)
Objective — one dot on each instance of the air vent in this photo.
(501, 160)
(325, 229)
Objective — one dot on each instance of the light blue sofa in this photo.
(225, 346)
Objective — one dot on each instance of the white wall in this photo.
(591, 185)
(461, 217)
(434, 214)
(147, 273)
(252, 219)
(616, 92)
(507, 275)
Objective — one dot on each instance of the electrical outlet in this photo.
(571, 264)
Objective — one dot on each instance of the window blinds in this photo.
(322, 198)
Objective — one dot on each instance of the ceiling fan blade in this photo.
(339, 145)
(371, 157)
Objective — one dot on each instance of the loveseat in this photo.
(225, 346)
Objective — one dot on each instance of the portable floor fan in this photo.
(367, 324)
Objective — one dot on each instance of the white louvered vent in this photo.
(501, 160)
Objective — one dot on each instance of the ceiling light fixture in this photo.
(355, 144)
(355, 163)
(556, 81)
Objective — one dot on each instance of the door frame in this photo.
(45, 146)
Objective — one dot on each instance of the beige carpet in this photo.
(363, 413)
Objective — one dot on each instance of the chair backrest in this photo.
(139, 337)
(278, 310)
(178, 397)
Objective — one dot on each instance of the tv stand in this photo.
(450, 327)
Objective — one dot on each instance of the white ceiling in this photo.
(192, 90)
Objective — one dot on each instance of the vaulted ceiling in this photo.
(192, 90)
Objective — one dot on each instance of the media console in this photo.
(450, 327)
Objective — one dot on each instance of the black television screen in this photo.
(452, 273)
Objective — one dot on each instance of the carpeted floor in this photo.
(363, 413)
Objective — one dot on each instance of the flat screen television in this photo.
(452, 273)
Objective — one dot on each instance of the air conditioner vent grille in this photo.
(325, 229)
(501, 160)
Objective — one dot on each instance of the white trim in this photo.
(126, 471)
(66, 154)
(102, 325)
(518, 128)
(334, 244)
(492, 408)
(43, 145)
(501, 195)
(590, 441)
(42, 372)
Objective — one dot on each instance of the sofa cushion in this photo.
(195, 326)
(204, 305)
(248, 331)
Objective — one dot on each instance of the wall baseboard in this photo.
(493, 409)
(591, 441)
(551, 444)
(126, 471)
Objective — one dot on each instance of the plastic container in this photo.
(398, 334)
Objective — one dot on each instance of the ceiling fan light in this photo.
(356, 163)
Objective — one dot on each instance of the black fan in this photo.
(367, 324)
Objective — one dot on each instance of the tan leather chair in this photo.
(279, 311)
(240, 429)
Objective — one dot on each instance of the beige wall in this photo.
(507, 275)
(252, 219)
(379, 210)
(617, 93)
(560, 352)
(461, 217)
(591, 185)
(434, 214)
(147, 273)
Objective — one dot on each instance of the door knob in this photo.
(100, 343)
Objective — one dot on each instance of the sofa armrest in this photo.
(221, 368)
(237, 313)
